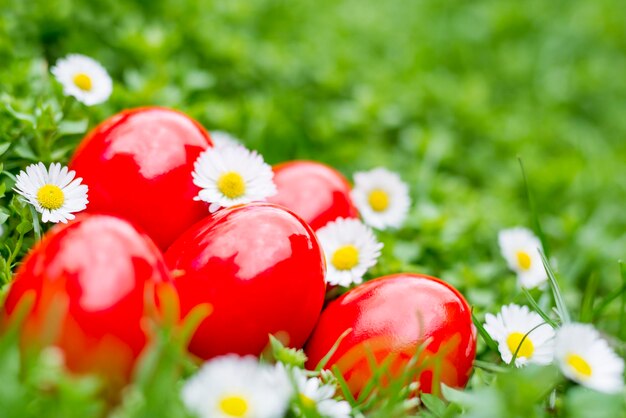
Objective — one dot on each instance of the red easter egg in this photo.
(316, 192)
(138, 165)
(393, 316)
(261, 269)
(90, 279)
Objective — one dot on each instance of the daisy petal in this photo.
(52, 191)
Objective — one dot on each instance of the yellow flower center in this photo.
(50, 197)
(231, 185)
(234, 406)
(83, 81)
(378, 200)
(306, 401)
(579, 364)
(345, 257)
(523, 260)
(515, 339)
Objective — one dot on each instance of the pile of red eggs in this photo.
(258, 266)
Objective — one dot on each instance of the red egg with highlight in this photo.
(316, 192)
(389, 319)
(138, 164)
(260, 268)
(90, 281)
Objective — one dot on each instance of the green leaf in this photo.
(3, 148)
(286, 355)
(434, 404)
(73, 127)
(481, 403)
(23, 150)
(24, 226)
(30, 119)
(581, 402)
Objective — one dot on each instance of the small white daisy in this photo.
(223, 139)
(83, 78)
(517, 329)
(586, 358)
(233, 386)
(315, 396)
(55, 193)
(350, 247)
(520, 248)
(381, 197)
(232, 175)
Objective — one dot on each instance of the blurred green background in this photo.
(448, 93)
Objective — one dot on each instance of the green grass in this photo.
(452, 95)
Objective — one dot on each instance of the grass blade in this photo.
(484, 334)
(490, 367)
(533, 211)
(589, 297)
(332, 350)
(537, 309)
(610, 297)
(622, 313)
(343, 385)
(556, 291)
(519, 346)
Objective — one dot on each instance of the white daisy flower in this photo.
(55, 193)
(517, 329)
(83, 78)
(381, 197)
(233, 386)
(223, 139)
(350, 247)
(586, 358)
(232, 175)
(315, 396)
(520, 248)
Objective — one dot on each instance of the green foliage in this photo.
(581, 402)
(34, 385)
(449, 94)
(286, 355)
(155, 391)
(515, 393)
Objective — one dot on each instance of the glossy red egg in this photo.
(315, 191)
(393, 316)
(261, 269)
(90, 280)
(138, 165)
